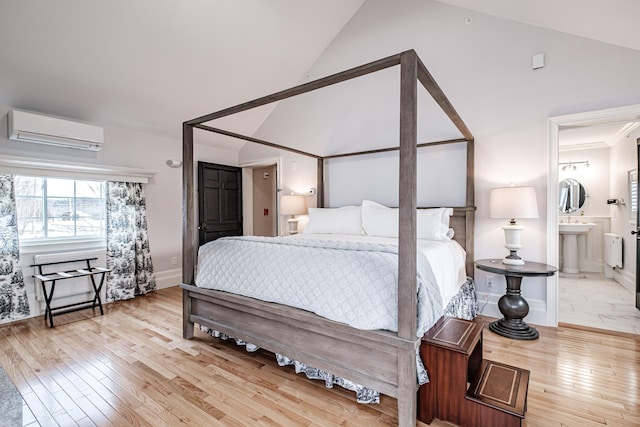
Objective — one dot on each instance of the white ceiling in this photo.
(151, 64)
(594, 136)
(610, 21)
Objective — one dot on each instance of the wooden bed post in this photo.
(188, 207)
(470, 213)
(188, 235)
(407, 267)
(320, 184)
(407, 298)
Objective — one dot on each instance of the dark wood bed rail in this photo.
(402, 382)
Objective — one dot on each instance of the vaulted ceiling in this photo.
(608, 21)
(151, 64)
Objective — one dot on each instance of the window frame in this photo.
(66, 240)
(33, 166)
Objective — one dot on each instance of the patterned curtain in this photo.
(13, 294)
(128, 253)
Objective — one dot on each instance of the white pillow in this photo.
(433, 224)
(345, 220)
(379, 220)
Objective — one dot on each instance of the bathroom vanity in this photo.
(581, 236)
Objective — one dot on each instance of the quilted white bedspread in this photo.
(351, 282)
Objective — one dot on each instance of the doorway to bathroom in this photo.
(260, 199)
(596, 215)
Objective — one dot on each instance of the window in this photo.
(59, 208)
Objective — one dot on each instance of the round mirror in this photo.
(571, 195)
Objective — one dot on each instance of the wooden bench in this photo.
(464, 388)
(54, 277)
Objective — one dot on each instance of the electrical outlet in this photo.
(489, 281)
(174, 260)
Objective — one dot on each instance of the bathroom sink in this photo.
(571, 232)
(575, 227)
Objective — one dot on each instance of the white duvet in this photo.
(446, 258)
(349, 279)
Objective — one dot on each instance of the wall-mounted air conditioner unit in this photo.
(42, 129)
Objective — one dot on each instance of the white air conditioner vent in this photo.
(43, 129)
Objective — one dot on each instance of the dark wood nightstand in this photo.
(512, 305)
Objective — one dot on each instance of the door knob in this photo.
(634, 232)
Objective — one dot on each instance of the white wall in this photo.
(441, 177)
(124, 147)
(485, 70)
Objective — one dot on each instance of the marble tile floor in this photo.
(597, 302)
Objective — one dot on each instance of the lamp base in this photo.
(513, 259)
(293, 225)
(512, 237)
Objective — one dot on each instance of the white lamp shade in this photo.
(513, 203)
(292, 205)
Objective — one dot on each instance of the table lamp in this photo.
(513, 203)
(292, 205)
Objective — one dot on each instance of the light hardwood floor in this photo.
(132, 367)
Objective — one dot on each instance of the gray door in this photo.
(219, 201)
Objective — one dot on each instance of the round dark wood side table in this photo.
(512, 305)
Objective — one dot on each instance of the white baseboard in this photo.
(164, 279)
(488, 306)
(168, 278)
(591, 266)
(626, 279)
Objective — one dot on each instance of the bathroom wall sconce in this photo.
(571, 166)
(617, 202)
(174, 163)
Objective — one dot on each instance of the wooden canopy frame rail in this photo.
(381, 360)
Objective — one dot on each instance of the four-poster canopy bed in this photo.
(380, 359)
